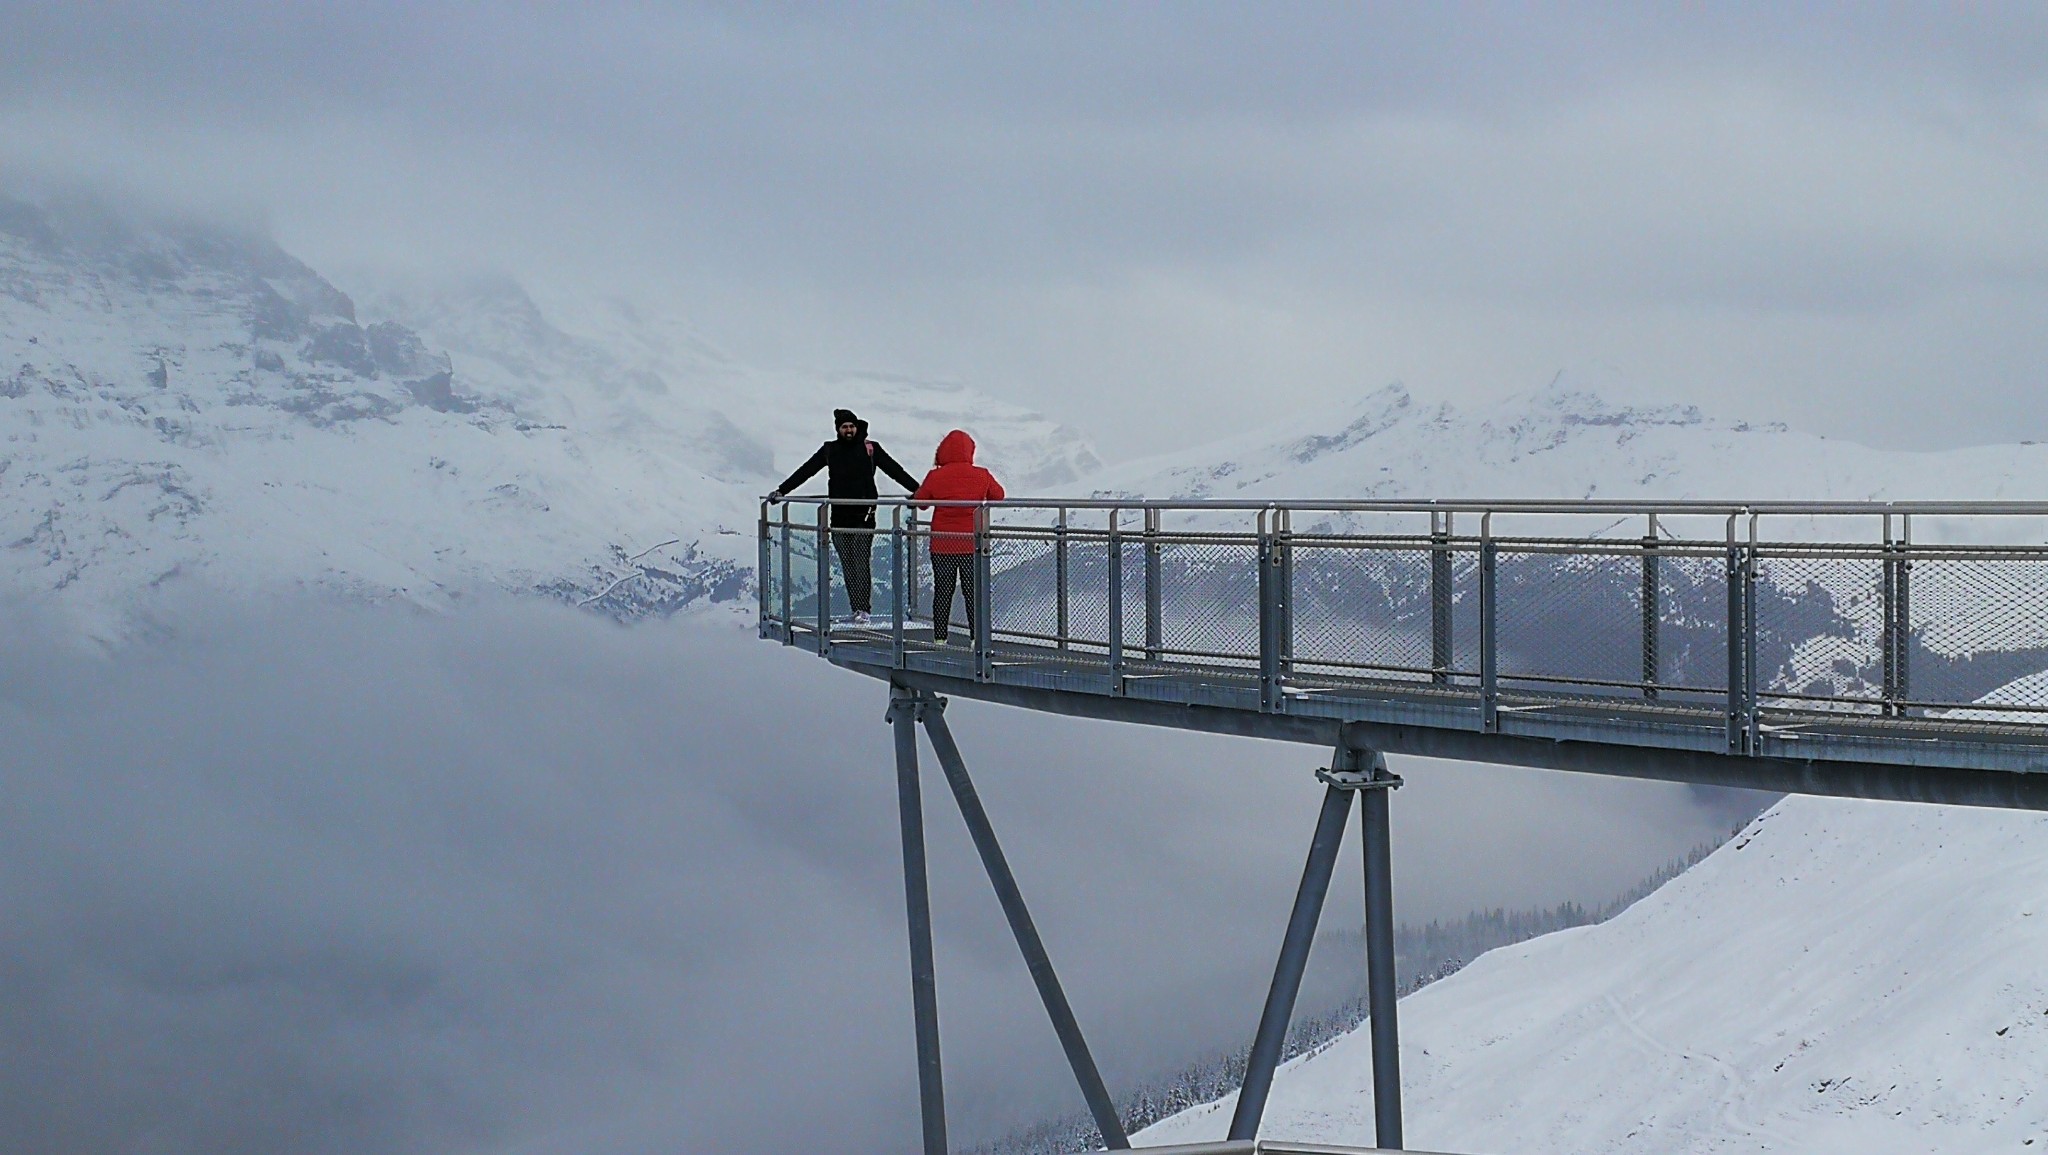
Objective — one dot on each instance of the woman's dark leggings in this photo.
(947, 569)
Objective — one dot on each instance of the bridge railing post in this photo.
(1153, 628)
(1270, 580)
(1652, 610)
(1059, 577)
(764, 574)
(1489, 626)
(824, 577)
(1897, 626)
(1441, 639)
(788, 595)
(1283, 544)
(1903, 616)
(899, 594)
(1735, 643)
(1750, 648)
(1116, 602)
(1741, 639)
(984, 631)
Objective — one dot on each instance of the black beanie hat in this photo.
(844, 417)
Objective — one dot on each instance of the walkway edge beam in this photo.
(1831, 778)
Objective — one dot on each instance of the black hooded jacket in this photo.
(850, 465)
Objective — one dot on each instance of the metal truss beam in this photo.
(1100, 1106)
(1271, 1038)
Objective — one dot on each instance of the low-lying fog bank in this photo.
(517, 880)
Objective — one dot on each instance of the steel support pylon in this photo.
(930, 709)
(904, 708)
(1352, 771)
(1375, 827)
(1271, 1037)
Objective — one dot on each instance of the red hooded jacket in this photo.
(957, 478)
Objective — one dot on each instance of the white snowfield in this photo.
(1859, 978)
(184, 404)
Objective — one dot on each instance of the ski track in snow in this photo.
(1731, 1100)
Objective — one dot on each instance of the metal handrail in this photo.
(1475, 505)
(1753, 628)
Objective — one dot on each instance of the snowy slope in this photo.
(1850, 977)
(187, 404)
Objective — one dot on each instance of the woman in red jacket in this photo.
(956, 478)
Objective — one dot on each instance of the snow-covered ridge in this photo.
(183, 402)
(1564, 441)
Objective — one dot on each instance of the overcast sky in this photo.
(1155, 221)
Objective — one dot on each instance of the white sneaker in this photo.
(861, 619)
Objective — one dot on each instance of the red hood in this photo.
(956, 449)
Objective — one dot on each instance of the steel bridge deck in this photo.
(1838, 657)
(1840, 754)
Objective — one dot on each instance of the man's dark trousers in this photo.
(856, 561)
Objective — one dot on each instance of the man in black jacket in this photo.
(850, 461)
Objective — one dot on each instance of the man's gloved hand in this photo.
(774, 495)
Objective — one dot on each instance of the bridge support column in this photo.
(1353, 771)
(1271, 1038)
(1382, 987)
(904, 707)
(1000, 876)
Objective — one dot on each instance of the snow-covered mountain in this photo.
(184, 402)
(1565, 441)
(1841, 977)
(187, 403)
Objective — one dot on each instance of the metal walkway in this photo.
(1894, 651)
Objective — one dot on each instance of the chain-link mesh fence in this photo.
(1866, 629)
(1976, 631)
(1820, 631)
(1569, 623)
(1691, 623)
(1207, 604)
(1367, 610)
(1024, 589)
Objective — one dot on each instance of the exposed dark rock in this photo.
(399, 352)
(438, 393)
(344, 345)
(272, 317)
